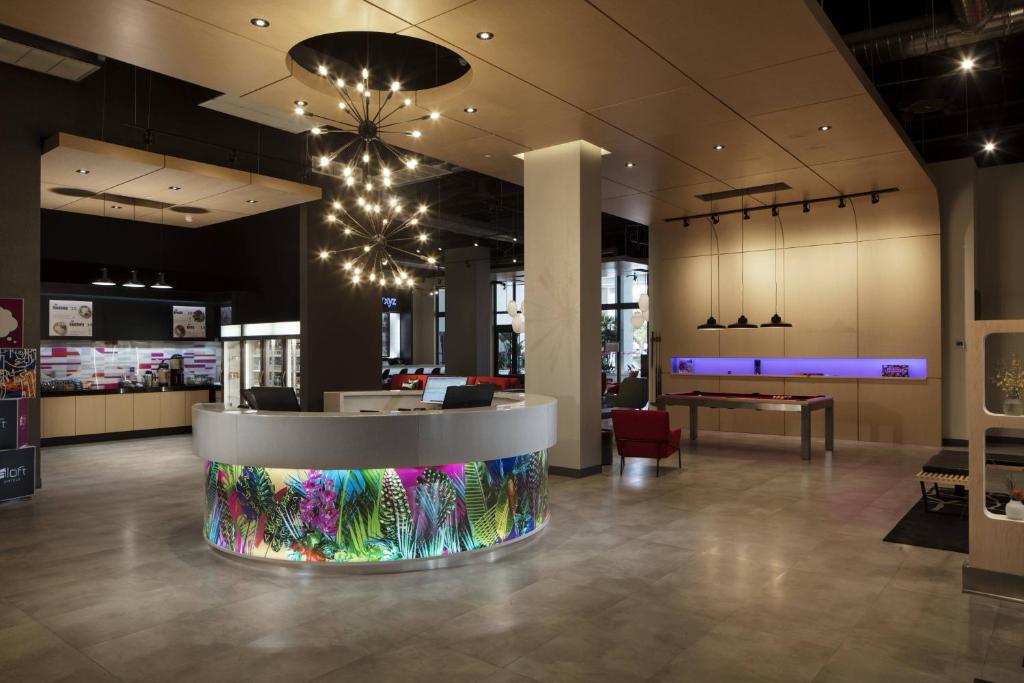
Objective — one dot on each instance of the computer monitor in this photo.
(472, 396)
(435, 388)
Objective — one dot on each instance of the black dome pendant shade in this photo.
(711, 324)
(776, 321)
(742, 324)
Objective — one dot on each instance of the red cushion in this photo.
(396, 381)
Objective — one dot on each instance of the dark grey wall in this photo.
(341, 334)
(468, 307)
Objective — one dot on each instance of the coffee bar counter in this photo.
(72, 416)
(380, 481)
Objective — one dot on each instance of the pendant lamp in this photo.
(741, 322)
(134, 281)
(777, 320)
(711, 323)
(161, 282)
(104, 280)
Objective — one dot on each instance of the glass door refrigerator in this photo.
(262, 355)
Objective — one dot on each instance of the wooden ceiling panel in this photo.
(685, 198)
(107, 164)
(787, 86)
(747, 151)
(611, 189)
(488, 154)
(416, 11)
(667, 112)
(195, 180)
(262, 194)
(154, 37)
(897, 169)
(574, 50)
(711, 39)
(858, 128)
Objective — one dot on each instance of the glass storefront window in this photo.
(634, 342)
(609, 293)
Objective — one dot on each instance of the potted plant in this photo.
(1010, 378)
(1015, 506)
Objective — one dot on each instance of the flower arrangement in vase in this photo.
(1015, 506)
(1010, 378)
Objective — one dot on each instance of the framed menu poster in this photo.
(70, 318)
(12, 325)
(189, 322)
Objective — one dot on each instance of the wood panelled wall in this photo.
(861, 281)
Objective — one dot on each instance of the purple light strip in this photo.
(830, 367)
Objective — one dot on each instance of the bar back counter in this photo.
(378, 481)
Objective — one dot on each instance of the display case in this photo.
(267, 355)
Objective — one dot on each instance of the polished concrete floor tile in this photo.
(746, 565)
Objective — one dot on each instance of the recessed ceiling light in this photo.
(485, 35)
(188, 219)
(630, 164)
(990, 147)
(476, 244)
(967, 64)
(173, 187)
(116, 206)
(301, 103)
(259, 22)
(488, 156)
(470, 110)
(82, 171)
(252, 201)
(719, 148)
(825, 127)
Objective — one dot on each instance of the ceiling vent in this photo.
(45, 56)
(743, 192)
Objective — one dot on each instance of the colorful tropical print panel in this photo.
(374, 515)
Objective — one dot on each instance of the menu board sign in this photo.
(12, 315)
(17, 473)
(189, 322)
(70, 318)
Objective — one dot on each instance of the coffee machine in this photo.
(177, 367)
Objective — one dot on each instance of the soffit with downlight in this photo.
(88, 176)
(656, 83)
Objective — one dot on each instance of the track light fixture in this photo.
(776, 208)
(775, 211)
(714, 218)
(874, 197)
(686, 222)
(746, 215)
(842, 202)
(807, 207)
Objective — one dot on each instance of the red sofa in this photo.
(502, 383)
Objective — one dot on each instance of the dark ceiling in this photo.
(912, 51)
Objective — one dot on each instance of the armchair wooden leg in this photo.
(622, 464)
(680, 452)
(657, 467)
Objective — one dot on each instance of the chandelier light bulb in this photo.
(299, 111)
(395, 86)
(322, 70)
(407, 102)
(324, 161)
(385, 171)
(336, 205)
(369, 187)
(340, 82)
(360, 201)
(360, 87)
(324, 254)
(416, 134)
(347, 265)
(348, 230)
(350, 181)
(387, 182)
(355, 279)
(366, 73)
(423, 208)
(347, 171)
(415, 221)
(366, 93)
(393, 201)
(372, 277)
(316, 130)
(331, 218)
(366, 157)
(435, 115)
(422, 236)
(376, 208)
(431, 260)
(341, 105)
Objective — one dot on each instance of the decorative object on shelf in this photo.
(711, 323)
(1015, 506)
(374, 515)
(1010, 378)
(896, 370)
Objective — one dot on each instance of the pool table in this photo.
(780, 402)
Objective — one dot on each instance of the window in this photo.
(508, 347)
(439, 326)
(622, 345)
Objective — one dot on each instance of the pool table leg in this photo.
(805, 433)
(693, 423)
(830, 429)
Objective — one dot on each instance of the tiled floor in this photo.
(748, 565)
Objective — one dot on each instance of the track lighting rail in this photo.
(774, 208)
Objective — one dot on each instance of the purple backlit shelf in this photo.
(798, 368)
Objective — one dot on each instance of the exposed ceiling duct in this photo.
(973, 21)
(46, 56)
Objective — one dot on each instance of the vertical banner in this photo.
(70, 318)
(18, 374)
(189, 322)
(17, 473)
(12, 323)
(13, 423)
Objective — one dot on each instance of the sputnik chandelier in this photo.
(381, 235)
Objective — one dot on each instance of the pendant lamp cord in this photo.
(742, 222)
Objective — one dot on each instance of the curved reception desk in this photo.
(379, 480)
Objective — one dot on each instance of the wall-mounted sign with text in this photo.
(70, 318)
(389, 302)
(12, 323)
(17, 473)
(189, 322)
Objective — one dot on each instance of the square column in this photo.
(468, 305)
(563, 295)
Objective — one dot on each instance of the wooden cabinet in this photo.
(146, 414)
(172, 409)
(120, 412)
(193, 397)
(90, 415)
(58, 416)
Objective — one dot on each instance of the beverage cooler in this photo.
(260, 355)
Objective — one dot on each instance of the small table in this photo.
(780, 402)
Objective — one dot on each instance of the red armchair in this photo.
(645, 434)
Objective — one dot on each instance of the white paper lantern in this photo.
(518, 323)
(512, 308)
(644, 302)
(637, 319)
